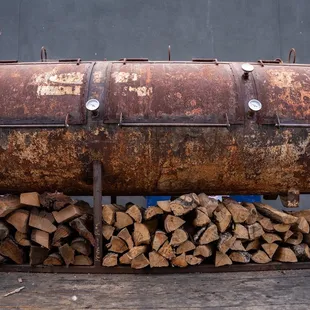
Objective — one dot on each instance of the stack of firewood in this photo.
(48, 229)
(194, 229)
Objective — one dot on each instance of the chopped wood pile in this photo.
(194, 229)
(48, 229)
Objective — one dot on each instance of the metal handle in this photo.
(64, 125)
(292, 52)
(279, 124)
(212, 60)
(43, 54)
(122, 124)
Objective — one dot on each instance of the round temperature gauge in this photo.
(255, 105)
(92, 104)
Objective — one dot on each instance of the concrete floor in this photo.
(247, 290)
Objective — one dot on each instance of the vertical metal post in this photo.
(113, 199)
(97, 195)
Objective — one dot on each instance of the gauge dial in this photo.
(92, 104)
(255, 105)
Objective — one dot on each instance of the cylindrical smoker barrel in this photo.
(161, 127)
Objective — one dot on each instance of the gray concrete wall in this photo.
(240, 30)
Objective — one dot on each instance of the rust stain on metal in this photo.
(247, 157)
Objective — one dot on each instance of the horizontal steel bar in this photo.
(203, 268)
(172, 125)
(293, 125)
(33, 125)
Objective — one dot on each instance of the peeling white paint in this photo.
(63, 78)
(124, 77)
(98, 77)
(142, 91)
(47, 90)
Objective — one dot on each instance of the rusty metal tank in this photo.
(160, 128)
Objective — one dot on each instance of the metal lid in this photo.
(246, 67)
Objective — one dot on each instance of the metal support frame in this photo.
(97, 195)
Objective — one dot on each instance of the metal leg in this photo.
(97, 193)
(113, 199)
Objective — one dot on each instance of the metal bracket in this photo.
(125, 60)
(292, 52)
(291, 199)
(43, 54)
(64, 125)
(279, 124)
(122, 124)
(275, 61)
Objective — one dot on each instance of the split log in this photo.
(260, 257)
(266, 223)
(139, 262)
(167, 251)
(62, 232)
(255, 231)
(222, 218)
(203, 250)
(125, 259)
(240, 257)
(295, 239)
(185, 247)
(237, 246)
(42, 220)
(285, 255)
(302, 225)
(108, 213)
(172, 223)
(222, 259)
(184, 204)
(239, 213)
(55, 201)
(10, 249)
(126, 236)
(22, 239)
(82, 260)
(275, 214)
(152, 225)
(8, 204)
(136, 213)
(178, 237)
(19, 219)
(253, 245)
(67, 214)
(241, 232)
(37, 255)
(302, 213)
(41, 237)
(122, 220)
(287, 235)
(202, 218)
(210, 235)
(110, 260)
(193, 260)
(253, 215)
(164, 205)
(53, 259)
(179, 261)
(282, 228)
(159, 239)
(271, 238)
(4, 230)
(81, 245)
(156, 260)
(270, 248)
(30, 199)
(107, 231)
(226, 240)
(67, 253)
(80, 225)
(117, 245)
(151, 212)
(301, 251)
(199, 233)
(210, 204)
(136, 251)
(141, 234)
